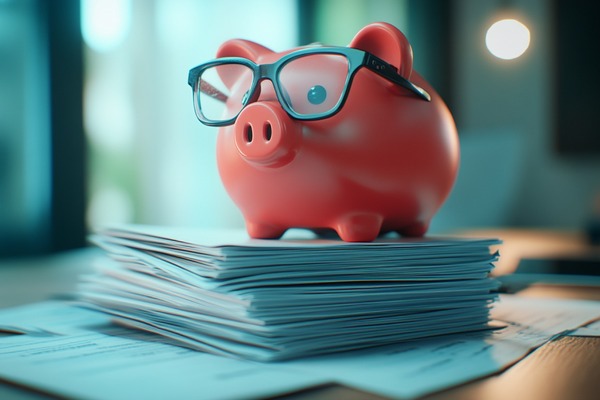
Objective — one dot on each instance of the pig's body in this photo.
(385, 162)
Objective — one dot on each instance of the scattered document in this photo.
(590, 330)
(74, 352)
(414, 369)
(267, 300)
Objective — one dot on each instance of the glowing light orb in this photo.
(507, 39)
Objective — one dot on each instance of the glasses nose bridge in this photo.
(267, 72)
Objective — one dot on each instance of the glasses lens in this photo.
(222, 91)
(314, 84)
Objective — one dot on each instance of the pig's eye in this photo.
(316, 94)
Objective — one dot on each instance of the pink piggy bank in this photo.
(343, 138)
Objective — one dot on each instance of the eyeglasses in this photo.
(310, 83)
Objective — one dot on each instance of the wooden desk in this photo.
(567, 368)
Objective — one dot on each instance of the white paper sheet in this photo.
(590, 330)
(77, 353)
(73, 352)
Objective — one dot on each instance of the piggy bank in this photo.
(348, 139)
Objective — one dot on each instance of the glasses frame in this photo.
(356, 60)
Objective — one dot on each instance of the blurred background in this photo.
(97, 124)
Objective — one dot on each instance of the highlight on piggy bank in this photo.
(349, 139)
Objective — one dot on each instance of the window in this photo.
(150, 160)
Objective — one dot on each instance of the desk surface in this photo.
(563, 369)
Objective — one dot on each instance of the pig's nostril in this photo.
(268, 131)
(248, 133)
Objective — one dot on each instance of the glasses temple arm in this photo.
(389, 72)
(212, 91)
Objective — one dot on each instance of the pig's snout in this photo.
(265, 135)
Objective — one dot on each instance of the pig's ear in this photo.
(388, 43)
(239, 48)
(242, 48)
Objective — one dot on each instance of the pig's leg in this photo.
(417, 229)
(264, 231)
(359, 227)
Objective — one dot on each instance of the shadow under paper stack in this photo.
(221, 292)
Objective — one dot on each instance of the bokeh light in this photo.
(507, 39)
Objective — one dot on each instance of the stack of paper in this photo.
(221, 292)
